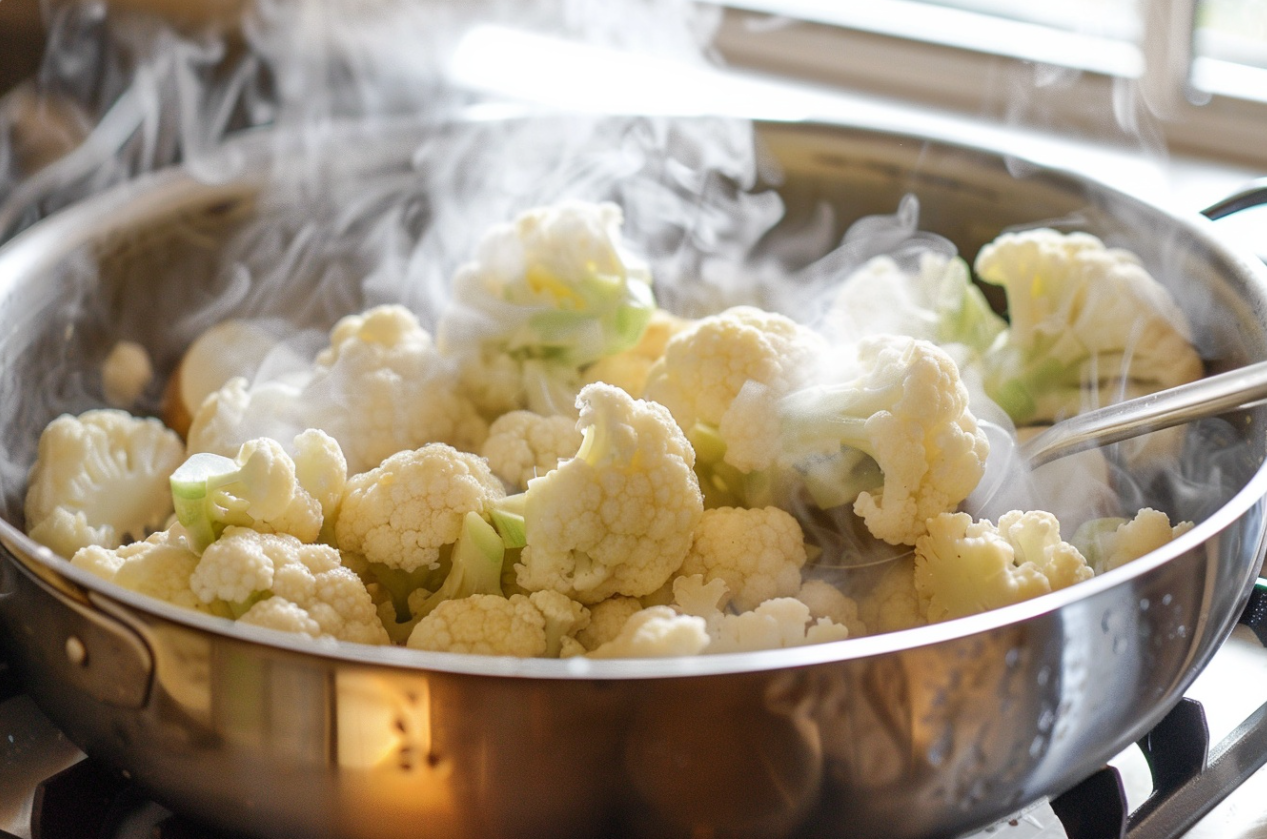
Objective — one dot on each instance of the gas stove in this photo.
(1197, 775)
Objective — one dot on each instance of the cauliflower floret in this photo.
(522, 445)
(1112, 542)
(100, 479)
(705, 368)
(936, 302)
(606, 620)
(826, 601)
(159, 567)
(1083, 317)
(629, 370)
(379, 388)
(262, 488)
(964, 567)
(485, 624)
(908, 412)
(619, 516)
(546, 295)
(892, 603)
(245, 567)
(775, 624)
(759, 553)
(126, 373)
(656, 632)
(401, 513)
(564, 619)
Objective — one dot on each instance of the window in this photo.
(1193, 72)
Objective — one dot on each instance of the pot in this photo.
(921, 733)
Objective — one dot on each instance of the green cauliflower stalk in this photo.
(477, 565)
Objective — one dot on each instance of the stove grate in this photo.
(1186, 783)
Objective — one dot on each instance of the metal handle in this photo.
(1206, 397)
(1253, 194)
(76, 641)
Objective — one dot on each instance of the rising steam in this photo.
(378, 162)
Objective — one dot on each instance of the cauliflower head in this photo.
(706, 366)
(403, 512)
(905, 413)
(263, 488)
(522, 445)
(936, 302)
(1110, 543)
(160, 566)
(546, 295)
(100, 479)
(824, 600)
(380, 387)
(758, 552)
(618, 517)
(1084, 318)
(892, 603)
(777, 623)
(317, 596)
(537, 625)
(656, 632)
(964, 567)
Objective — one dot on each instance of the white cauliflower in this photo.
(403, 512)
(892, 603)
(618, 517)
(759, 553)
(546, 295)
(607, 617)
(126, 373)
(262, 488)
(1084, 319)
(160, 566)
(1110, 543)
(100, 479)
(656, 632)
(522, 445)
(904, 414)
(380, 387)
(246, 568)
(935, 302)
(775, 624)
(824, 600)
(705, 368)
(487, 624)
(964, 567)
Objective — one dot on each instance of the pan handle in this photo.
(1253, 194)
(70, 642)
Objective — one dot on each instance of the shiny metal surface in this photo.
(924, 733)
(1208, 397)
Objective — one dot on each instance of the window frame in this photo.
(874, 48)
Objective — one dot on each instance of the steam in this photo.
(382, 162)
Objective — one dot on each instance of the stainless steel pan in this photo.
(924, 733)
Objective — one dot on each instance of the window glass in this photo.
(1234, 31)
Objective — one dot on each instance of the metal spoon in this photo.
(1206, 397)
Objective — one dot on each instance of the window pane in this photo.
(1233, 30)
